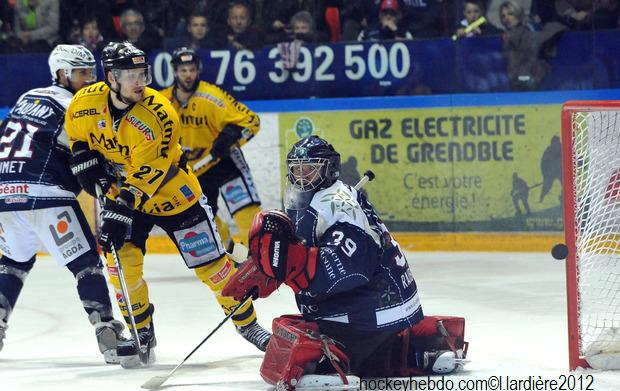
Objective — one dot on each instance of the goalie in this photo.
(360, 310)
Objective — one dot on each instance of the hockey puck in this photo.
(559, 251)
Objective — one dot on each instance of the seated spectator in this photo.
(606, 15)
(73, 13)
(541, 12)
(241, 35)
(200, 35)
(36, 24)
(302, 30)
(158, 15)
(472, 11)
(424, 19)
(576, 14)
(303, 27)
(389, 26)
(276, 14)
(91, 36)
(356, 15)
(6, 31)
(523, 47)
(132, 27)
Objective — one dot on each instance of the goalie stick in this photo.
(142, 350)
(239, 255)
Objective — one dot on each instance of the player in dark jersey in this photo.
(38, 197)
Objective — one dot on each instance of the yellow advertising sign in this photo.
(494, 168)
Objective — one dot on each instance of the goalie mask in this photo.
(312, 164)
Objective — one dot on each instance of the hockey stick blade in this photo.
(157, 381)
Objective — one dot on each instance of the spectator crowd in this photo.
(37, 25)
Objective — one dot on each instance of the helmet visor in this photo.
(86, 74)
(133, 76)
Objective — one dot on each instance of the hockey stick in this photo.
(157, 381)
(142, 350)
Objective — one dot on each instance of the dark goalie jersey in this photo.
(34, 152)
(362, 277)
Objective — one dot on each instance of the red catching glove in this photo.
(248, 278)
(278, 251)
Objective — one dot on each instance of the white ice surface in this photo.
(514, 305)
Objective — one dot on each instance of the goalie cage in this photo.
(591, 177)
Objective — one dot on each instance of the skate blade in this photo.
(133, 362)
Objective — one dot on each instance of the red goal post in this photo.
(591, 184)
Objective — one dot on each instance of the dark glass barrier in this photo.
(589, 60)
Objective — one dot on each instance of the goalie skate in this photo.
(128, 353)
(322, 383)
(256, 335)
(443, 362)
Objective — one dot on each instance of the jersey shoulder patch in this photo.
(338, 204)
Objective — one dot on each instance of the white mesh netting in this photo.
(596, 171)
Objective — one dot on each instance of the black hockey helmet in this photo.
(122, 55)
(312, 163)
(185, 55)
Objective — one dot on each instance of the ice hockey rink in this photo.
(514, 305)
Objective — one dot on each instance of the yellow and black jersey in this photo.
(143, 146)
(204, 116)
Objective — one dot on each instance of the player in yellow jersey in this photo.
(124, 138)
(213, 128)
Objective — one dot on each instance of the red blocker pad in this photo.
(433, 333)
(294, 350)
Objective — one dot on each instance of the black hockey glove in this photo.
(116, 220)
(89, 168)
(226, 139)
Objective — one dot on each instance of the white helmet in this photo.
(69, 57)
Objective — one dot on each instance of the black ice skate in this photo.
(128, 353)
(255, 334)
(109, 335)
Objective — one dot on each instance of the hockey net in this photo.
(591, 175)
